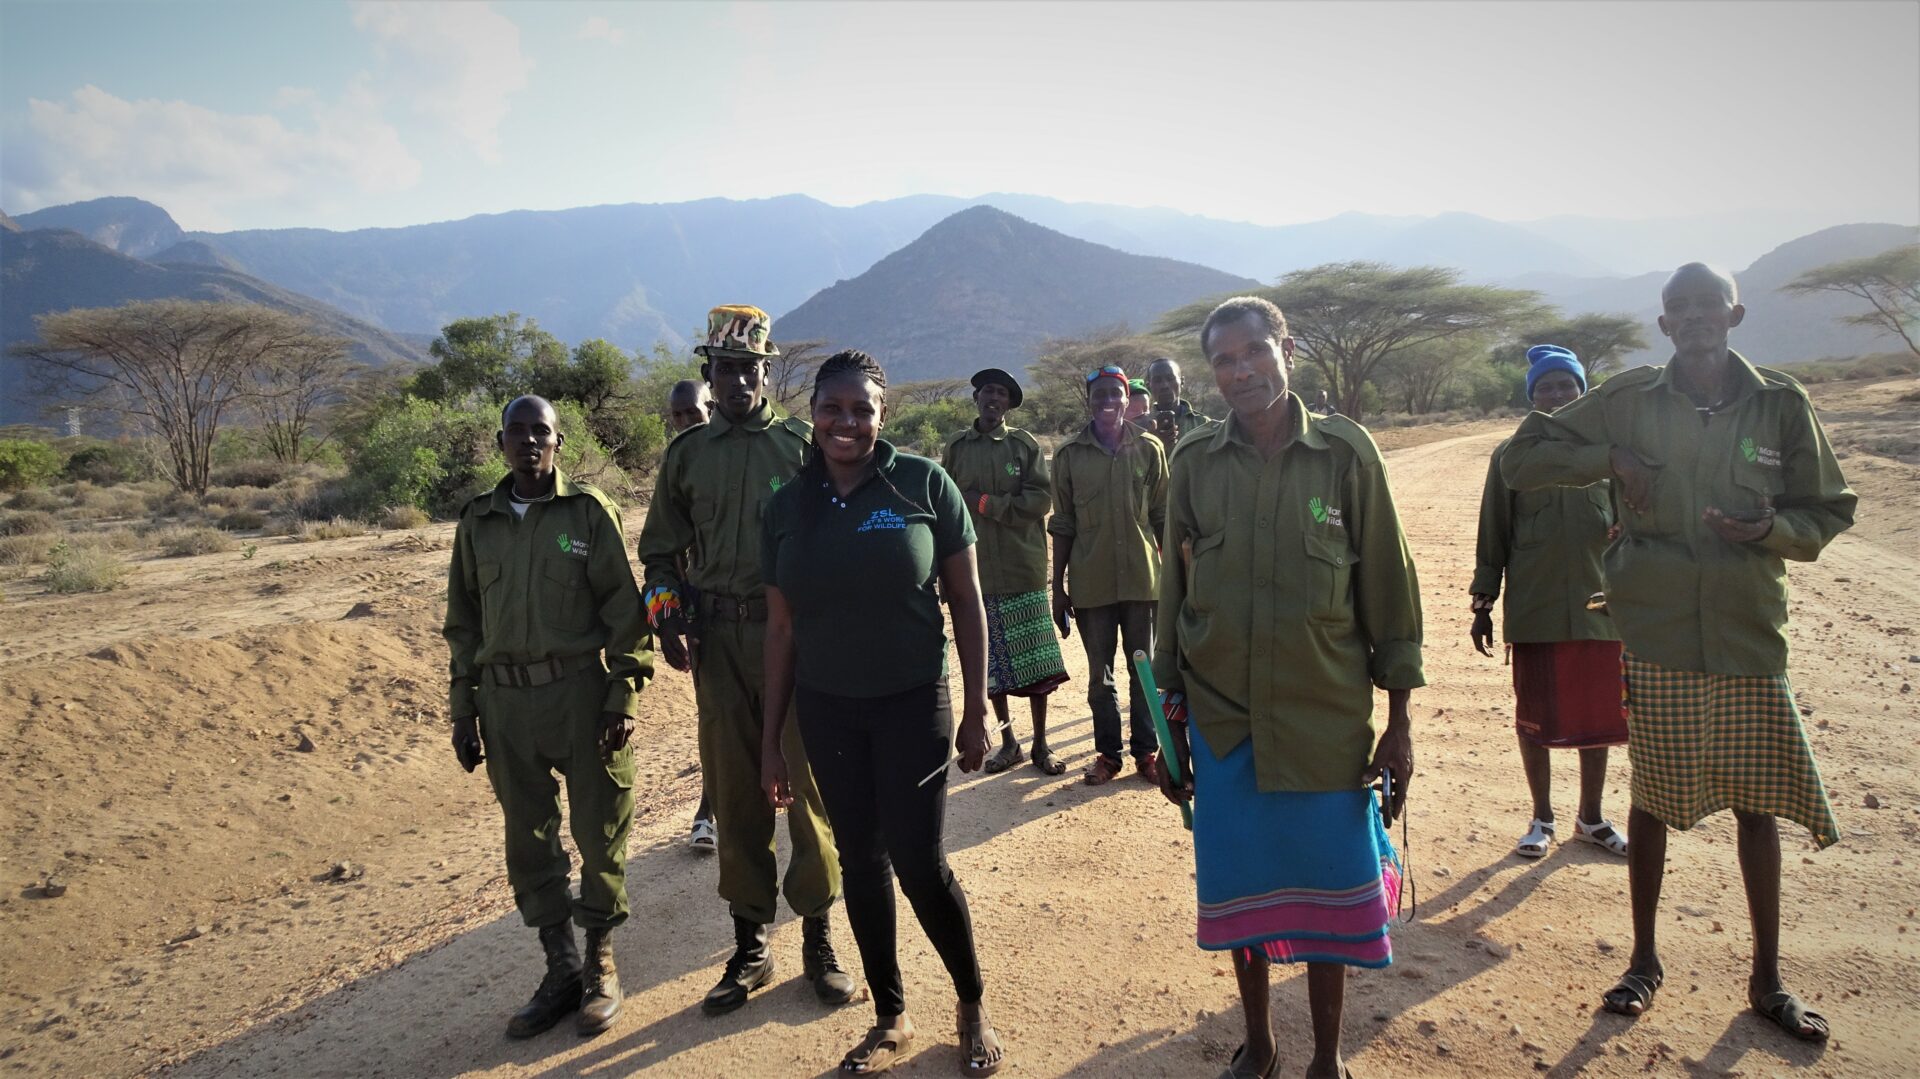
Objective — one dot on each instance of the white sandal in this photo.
(1602, 834)
(1535, 843)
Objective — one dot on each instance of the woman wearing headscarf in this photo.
(856, 552)
(1566, 655)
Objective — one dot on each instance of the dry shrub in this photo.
(265, 473)
(19, 552)
(243, 520)
(27, 523)
(83, 569)
(335, 528)
(36, 498)
(176, 503)
(404, 517)
(229, 497)
(183, 542)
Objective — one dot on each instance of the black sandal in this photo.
(1010, 754)
(1791, 1014)
(1237, 1070)
(1633, 994)
(1047, 763)
(877, 1051)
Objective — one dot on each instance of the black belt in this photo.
(540, 673)
(730, 609)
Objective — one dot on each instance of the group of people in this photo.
(808, 575)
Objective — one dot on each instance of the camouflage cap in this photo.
(739, 329)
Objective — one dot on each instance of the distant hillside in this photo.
(983, 287)
(194, 253)
(8, 224)
(130, 226)
(45, 270)
(1780, 327)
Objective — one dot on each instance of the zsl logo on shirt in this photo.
(572, 546)
(1759, 455)
(1325, 514)
(882, 520)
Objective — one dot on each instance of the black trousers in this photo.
(869, 755)
(1130, 625)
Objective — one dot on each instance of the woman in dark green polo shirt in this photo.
(1566, 658)
(852, 551)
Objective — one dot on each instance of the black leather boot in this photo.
(747, 969)
(599, 984)
(822, 968)
(559, 991)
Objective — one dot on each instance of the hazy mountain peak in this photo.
(128, 225)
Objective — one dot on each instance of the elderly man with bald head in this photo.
(1724, 474)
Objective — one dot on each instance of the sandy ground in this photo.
(239, 905)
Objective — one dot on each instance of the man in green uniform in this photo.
(713, 487)
(690, 404)
(1293, 598)
(539, 588)
(1109, 504)
(1724, 472)
(1002, 473)
(1169, 416)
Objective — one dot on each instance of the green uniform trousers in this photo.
(530, 734)
(727, 683)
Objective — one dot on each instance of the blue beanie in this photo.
(1542, 359)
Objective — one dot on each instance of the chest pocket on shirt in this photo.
(1758, 485)
(1533, 517)
(486, 579)
(1206, 569)
(565, 600)
(1329, 579)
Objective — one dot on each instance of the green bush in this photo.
(107, 463)
(27, 523)
(83, 569)
(184, 542)
(923, 429)
(25, 463)
(436, 456)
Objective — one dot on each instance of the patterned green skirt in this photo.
(1023, 655)
(1701, 743)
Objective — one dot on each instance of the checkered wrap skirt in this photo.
(1701, 743)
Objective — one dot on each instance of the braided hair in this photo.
(850, 361)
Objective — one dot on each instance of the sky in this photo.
(350, 115)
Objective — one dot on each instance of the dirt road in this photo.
(151, 758)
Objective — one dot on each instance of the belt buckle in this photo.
(741, 612)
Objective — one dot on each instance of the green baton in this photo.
(1169, 757)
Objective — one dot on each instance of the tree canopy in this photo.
(1603, 342)
(1350, 317)
(1889, 284)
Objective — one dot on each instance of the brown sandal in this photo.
(877, 1051)
(1103, 770)
(980, 1050)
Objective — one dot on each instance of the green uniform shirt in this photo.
(1008, 467)
(1114, 506)
(553, 584)
(861, 574)
(1683, 597)
(1295, 596)
(712, 491)
(1548, 544)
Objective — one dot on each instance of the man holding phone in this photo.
(1169, 416)
(1723, 473)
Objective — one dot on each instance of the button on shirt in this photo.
(707, 505)
(1294, 596)
(551, 584)
(860, 574)
(1007, 466)
(1548, 545)
(1683, 597)
(1114, 505)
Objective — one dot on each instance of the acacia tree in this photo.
(1419, 377)
(928, 392)
(176, 367)
(1603, 342)
(1889, 283)
(290, 389)
(1350, 317)
(790, 374)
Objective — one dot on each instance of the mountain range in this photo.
(637, 274)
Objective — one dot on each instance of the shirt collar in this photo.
(500, 502)
(758, 420)
(1306, 428)
(1129, 434)
(998, 434)
(1745, 379)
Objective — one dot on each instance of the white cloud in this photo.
(597, 28)
(455, 63)
(200, 164)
